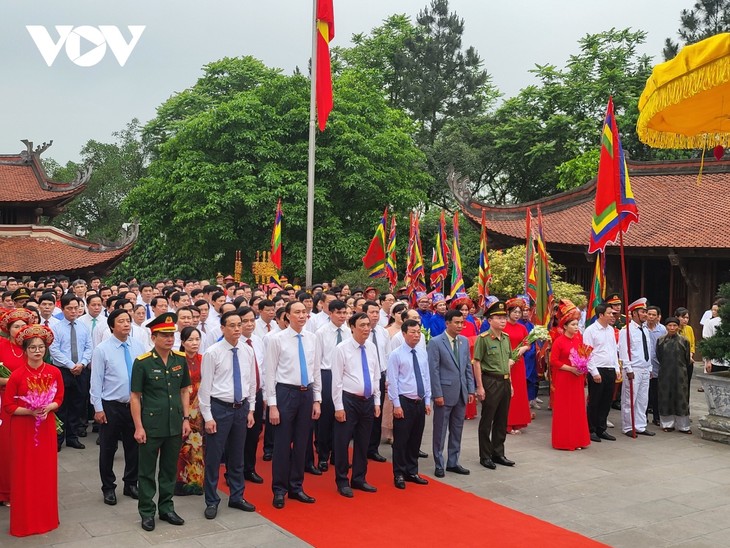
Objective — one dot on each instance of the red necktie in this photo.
(256, 364)
(45, 322)
(268, 327)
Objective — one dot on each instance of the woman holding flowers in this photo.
(568, 362)
(11, 358)
(190, 465)
(33, 394)
(519, 407)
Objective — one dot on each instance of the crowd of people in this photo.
(191, 375)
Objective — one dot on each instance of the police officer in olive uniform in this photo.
(492, 363)
(159, 405)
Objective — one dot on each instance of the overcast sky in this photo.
(72, 104)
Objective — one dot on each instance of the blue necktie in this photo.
(128, 359)
(417, 371)
(149, 312)
(339, 335)
(303, 362)
(237, 390)
(366, 373)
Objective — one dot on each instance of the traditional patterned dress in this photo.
(190, 465)
(673, 353)
(519, 407)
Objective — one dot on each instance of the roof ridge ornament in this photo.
(459, 185)
(29, 151)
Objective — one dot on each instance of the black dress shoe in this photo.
(267, 457)
(148, 523)
(110, 498)
(377, 457)
(82, 434)
(504, 461)
(242, 505)
(301, 496)
(439, 473)
(311, 469)
(415, 478)
(399, 482)
(458, 469)
(487, 463)
(172, 518)
(422, 455)
(131, 491)
(629, 434)
(656, 422)
(253, 477)
(606, 436)
(595, 437)
(323, 466)
(345, 491)
(365, 486)
(278, 501)
(646, 433)
(76, 444)
(211, 511)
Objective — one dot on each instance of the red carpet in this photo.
(425, 515)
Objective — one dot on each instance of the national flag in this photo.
(615, 207)
(598, 288)
(485, 274)
(530, 269)
(374, 259)
(457, 280)
(544, 300)
(391, 269)
(325, 34)
(276, 238)
(439, 264)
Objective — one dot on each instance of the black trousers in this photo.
(230, 437)
(74, 403)
(359, 415)
(253, 434)
(407, 436)
(293, 433)
(119, 424)
(377, 431)
(493, 422)
(269, 430)
(600, 397)
(326, 422)
(654, 398)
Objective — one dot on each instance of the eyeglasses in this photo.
(36, 348)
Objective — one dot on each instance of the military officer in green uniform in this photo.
(492, 365)
(159, 405)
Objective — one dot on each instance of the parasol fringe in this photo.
(701, 79)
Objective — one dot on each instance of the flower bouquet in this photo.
(538, 333)
(4, 372)
(426, 334)
(41, 391)
(580, 357)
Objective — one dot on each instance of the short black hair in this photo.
(355, 317)
(47, 297)
(655, 308)
(409, 323)
(264, 303)
(451, 314)
(243, 310)
(226, 315)
(67, 298)
(367, 305)
(115, 314)
(601, 309)
(337, 305)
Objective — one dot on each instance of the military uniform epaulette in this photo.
(484, 334)
(144, 356)
(179, 353)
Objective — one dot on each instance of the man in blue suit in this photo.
(452, 387)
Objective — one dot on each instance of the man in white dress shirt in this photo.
(227, 397)
(293, 392)
(248, 321)
(265, 323)
(356, 396)
(380, 338)
(637, 369)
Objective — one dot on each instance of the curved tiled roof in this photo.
(31, 249)
(674, 209)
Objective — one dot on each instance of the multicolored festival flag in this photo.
(325, 34)
(439, 264)
(391, 269)
(615, 208)
(374, 259)
(457, 280)
(530, 270)
(544, 300)
(415, 279)
(276, 238)
(598, 288)
(485, 274)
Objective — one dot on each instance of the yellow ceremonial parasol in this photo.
(686, 101)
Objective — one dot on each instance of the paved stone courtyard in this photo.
(669, 490)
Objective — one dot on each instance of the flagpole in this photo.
(310, 165)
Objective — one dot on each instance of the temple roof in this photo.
(23, 181)
(33, 249)
(675, 210)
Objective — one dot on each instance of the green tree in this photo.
(116, 169)
(705, 19)
(218, 172)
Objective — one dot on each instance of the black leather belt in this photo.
(357, 397)
(495, 375)
(294, 386)
(115, 402)
(226, 404)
